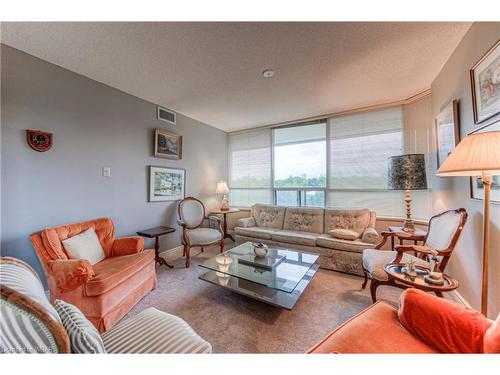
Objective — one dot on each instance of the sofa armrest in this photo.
(246, 222)
(128, 245)
(440, 323)
(70, 274)
(370, 235)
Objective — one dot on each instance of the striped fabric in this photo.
(25, 281)
(83, 336)
(154, 331)
(20, 330)
(23, 332)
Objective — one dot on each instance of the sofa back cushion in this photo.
(268, 216)
(355, 220)
(304, 219)
(52, 237)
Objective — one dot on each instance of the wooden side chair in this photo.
(442, 236)
(192, 215)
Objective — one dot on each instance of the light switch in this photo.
(106, 171)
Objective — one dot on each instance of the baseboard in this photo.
(461, 299)
(173, 253)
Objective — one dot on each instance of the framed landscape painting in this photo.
(447, 131)
(166, 184)
(168, 145)
(485, 82)
(476, 182)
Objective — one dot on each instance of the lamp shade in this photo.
(406, 172)
(222, 188)
(475, 155)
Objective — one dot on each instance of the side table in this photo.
(156, 233)
(418, 235)
(395, 273)
(224, 213)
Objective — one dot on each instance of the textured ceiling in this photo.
(212, 71)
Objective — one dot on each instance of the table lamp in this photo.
(223, 189)
(477, 154)
(407, 172)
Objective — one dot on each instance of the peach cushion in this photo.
(492, 338)
(448, 327)
(115, 270)
(374, 330)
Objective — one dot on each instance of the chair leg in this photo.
(202, 249)
(373, 289)
(188, 258)
(365, 281)
(222, 245)
(184, 251)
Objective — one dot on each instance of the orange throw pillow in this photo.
(492, 338)
(442, 324)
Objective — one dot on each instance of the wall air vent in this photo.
(166, 115)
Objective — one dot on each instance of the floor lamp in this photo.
(477, 154)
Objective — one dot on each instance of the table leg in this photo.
(439, 294)
(226, 235)
(392, 243)
(158, 258)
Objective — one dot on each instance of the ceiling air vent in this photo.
(166, 115)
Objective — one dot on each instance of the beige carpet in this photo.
(236, 324)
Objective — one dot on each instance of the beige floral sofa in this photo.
(307, 229)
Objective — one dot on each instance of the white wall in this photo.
(453, 83)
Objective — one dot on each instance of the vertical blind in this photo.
(250, 168)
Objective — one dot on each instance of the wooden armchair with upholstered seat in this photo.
(192, 216)
(442, 236)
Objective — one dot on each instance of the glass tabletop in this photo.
(285, 276)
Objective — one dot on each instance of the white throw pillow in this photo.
(85, 245)
(344, 234)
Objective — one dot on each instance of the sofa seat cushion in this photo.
(110, 272)
(295, 237)
(356, 246)
(256, 232)
(154, 332)
(374, 261)
(202, 236)
(304, 219)
(379, 321)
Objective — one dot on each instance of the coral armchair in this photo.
(107, 290)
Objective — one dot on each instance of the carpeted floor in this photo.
(236, 324)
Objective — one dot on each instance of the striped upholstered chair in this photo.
(30, 324)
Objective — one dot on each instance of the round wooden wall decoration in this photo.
(38, 140)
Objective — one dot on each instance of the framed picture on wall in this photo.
(166, 184)
(476, 182)
(485, 85)
(168, 145)
(447, 131)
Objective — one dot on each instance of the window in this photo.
(250, 168)
(359, 146)
(300, 165)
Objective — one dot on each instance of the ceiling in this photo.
(212, 71)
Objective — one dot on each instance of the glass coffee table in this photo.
(280, 286)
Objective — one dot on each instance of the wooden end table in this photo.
(224, 213)
(395, 273)
(418, 235)
(156, 233)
